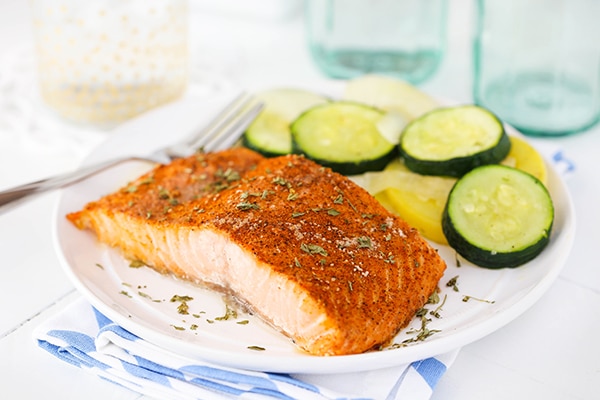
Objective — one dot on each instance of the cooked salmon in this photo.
(305, 248)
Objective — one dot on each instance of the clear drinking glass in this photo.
(537, 63)
(401, 38)
(104, 61)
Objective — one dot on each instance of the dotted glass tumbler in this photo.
(104, 61)
(537, 63)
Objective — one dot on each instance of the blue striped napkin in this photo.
(83, 337)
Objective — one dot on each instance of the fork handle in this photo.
(12, 197)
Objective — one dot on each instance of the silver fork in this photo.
(221, 132)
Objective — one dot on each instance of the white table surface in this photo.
(552, 351)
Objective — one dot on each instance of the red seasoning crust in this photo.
(305, 248)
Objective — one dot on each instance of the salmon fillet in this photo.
(305, 248)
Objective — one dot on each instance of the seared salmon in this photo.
(303, 247)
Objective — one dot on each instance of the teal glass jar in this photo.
(400, 38)
(537, 63)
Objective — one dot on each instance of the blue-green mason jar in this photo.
(537, 63)
(400, 38)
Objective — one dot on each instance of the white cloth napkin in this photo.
(83, 337)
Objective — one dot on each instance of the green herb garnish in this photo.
(364, 242)
(436, 312)
(136, 264)
(245, 206)
(183, 307)
(230, 313)
(421, 334)
(453, 283)
(467, 298)
(313, 249)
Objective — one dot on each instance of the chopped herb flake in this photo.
(147, 296)
(457, 260)
(230, 313)
(163, 194)
(436, 312)
(278, 180)
(177, 297)
(136, 264)
(467, 298)
(245, 206)
(313, 249)
(258, 348)
(421, 312)
(453, 283)
(183, 307)
(292, 195)
(364, 242)
(434, 298)
(422, 333)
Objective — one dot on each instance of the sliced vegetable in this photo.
(498, 217)
(344, 136)
(390, 94)
(524, 157)
(269, 134)
(451, 141)
(418, 199)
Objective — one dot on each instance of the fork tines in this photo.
(227, 127)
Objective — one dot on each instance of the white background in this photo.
(551, 352)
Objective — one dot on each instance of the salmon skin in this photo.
(303, 247)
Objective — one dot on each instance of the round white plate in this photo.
(139, 298)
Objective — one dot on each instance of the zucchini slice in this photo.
(269, 134)
(344, 136)
(451, 141)
(498, 217)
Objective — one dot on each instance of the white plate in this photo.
(138, 299)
